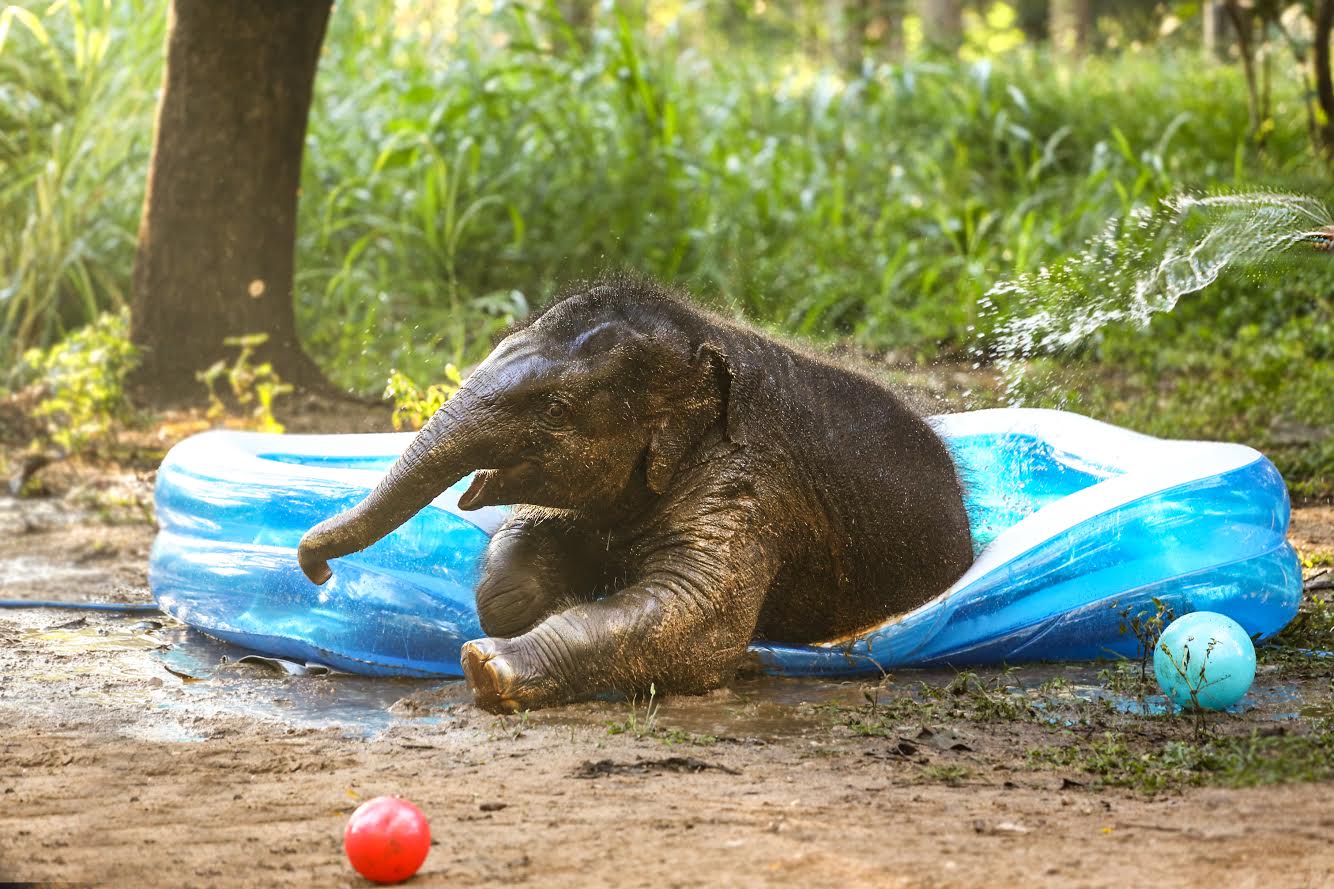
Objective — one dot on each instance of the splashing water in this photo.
(1140, 265)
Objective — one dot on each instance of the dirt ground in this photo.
(134, 751)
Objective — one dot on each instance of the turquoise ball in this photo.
(1205, 661)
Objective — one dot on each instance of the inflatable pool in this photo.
(1076, 524)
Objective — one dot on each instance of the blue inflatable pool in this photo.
(1076, 523)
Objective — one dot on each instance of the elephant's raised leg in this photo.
(535, 566)
(683, 627)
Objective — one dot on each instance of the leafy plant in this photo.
(413, 406)
(83, 378)
(460, 169)
(252, 386)
(77, 91)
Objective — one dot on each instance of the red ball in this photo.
(387, 839)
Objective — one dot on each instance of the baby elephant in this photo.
(686, 485)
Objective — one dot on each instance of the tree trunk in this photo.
(1243, 24)
(1070, 21)
(1324, 84)
(1033, 19)
(218, 232)
(1214, 23)
(942, 24)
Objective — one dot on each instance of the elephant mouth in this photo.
(498, 487)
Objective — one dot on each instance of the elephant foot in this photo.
(494, 676)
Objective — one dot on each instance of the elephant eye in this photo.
(556, 412)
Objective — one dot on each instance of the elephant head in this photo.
(587, 409)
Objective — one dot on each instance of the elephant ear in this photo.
(709, 392)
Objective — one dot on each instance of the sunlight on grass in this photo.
(466, 161)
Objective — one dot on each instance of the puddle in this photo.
(79, 636)
(26, 569)
(216, 682)
(160, 680)
(761, 708)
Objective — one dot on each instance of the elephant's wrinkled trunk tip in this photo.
(314, 567)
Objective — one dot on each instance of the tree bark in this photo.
(1214, 25)
(1324, 85)
(1242, 25)
(218, 232)
(942, 24)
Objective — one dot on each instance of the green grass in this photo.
(76, 103)
(1228, 761)
(458, 174)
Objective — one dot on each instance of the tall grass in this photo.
(461, 170)
(77, 86)
(876, 206)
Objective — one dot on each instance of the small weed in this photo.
(253, 386)
(821, 751)
(1317, 558)
(646, 725)
(1295, 650)
(1147, 628)
(1313, 627)
(986, 702)
(878, 718)
(116, 506)
(515, 726)
(1057, 685)
(1125, 678)
(947, 774)
(634, 724)
(676, 737)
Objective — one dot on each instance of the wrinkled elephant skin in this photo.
(683, 485)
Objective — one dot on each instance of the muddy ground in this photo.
(135, 751)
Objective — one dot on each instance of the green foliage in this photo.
(461, 169)
(413, 406)
(878, 205)
(1313, 627)
(252, 386)
(77, 89)
(83, 380)
(949, 773)
(1229, 761)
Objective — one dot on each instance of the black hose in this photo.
(122, 607)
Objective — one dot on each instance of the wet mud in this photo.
(135, 751)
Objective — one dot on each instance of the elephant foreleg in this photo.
(535, 566)
(683, 627)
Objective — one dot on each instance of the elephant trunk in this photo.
(446, 449)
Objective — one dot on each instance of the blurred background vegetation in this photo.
(854, 172)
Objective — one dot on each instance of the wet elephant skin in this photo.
(683, 484)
